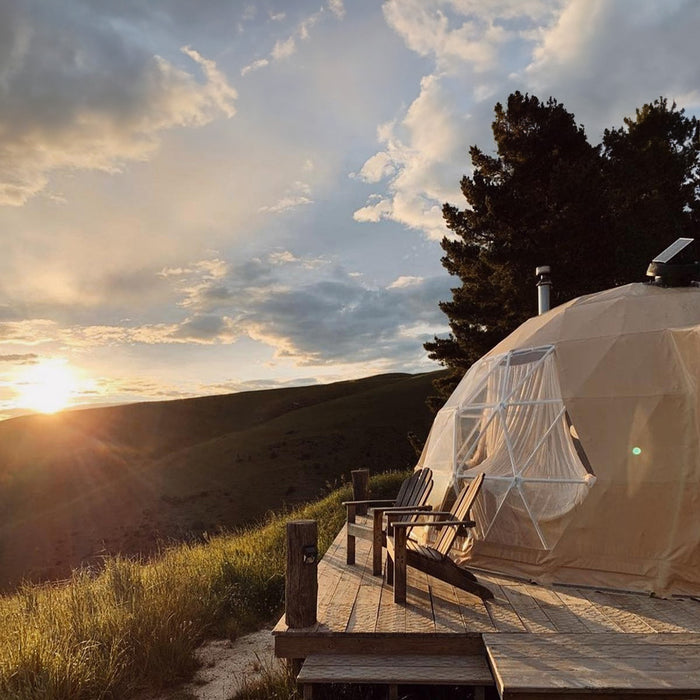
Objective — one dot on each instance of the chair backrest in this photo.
(460, 511)
(415, 490)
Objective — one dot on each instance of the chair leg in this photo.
(350, 545)
(399, 565)
(389, 569)
(377, 541)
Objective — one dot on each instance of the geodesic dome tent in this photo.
(585, 421)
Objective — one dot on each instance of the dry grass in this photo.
(134, 626)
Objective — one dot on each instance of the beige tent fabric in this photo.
(619, 370)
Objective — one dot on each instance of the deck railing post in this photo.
(301, 582)
(360, 488)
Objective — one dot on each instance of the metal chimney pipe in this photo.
(544, 284)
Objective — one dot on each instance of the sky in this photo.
(215, 196)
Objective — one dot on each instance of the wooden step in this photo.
(408, 669)
(601, 666)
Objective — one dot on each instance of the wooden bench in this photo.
(392, 671)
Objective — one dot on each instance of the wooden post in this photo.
(301, 583)
(360, 488)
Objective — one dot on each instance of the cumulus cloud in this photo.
(466, 32)
(75, 92)
(482, 51)
(424, 152)
(423, 159)
(573, 60)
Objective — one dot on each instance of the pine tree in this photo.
(537, 202)
(596, 215)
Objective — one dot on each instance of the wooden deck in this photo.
(539, 641)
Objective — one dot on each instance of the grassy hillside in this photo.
(82, 484)
(134, 627)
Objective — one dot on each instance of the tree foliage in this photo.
(595, 214)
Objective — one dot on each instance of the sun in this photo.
(46, 387)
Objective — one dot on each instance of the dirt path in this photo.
(227, 666)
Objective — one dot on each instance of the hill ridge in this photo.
(121, 479)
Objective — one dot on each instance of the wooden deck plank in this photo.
(530, 613)
(561, 616)
(419, 611)
(446, 608)
(661, 615)
(392, 617)
(590, 616)
(366, 609)
(335, 613)
(688, 610)
(330, 569)
(474, 613)
(528, 665)
(625, 619)
(501, 612)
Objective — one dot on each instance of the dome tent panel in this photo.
(517, 435)
(627, 362)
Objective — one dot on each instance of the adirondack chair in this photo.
(434, 559)
(412, 495)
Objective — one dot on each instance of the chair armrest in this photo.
(398, 510)
(386, 501)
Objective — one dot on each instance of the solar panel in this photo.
(675, 249)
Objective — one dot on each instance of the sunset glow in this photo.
(46, 387)
(199, 198)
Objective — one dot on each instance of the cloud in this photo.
(29, 332)
(287, 47)
(295, 196)
(482, 51)
(255, 65)
(466, 32)
(77, 93)
(311, 312)
(406, 281)
(607, 58)
(337, 8)
(28, 358)
(237, 385)
(284, 48)
(423, 159)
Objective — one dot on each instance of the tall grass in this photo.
(134, 626)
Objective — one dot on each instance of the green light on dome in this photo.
(636, 451)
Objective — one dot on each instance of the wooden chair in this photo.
(434, 560)
(412, 495)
